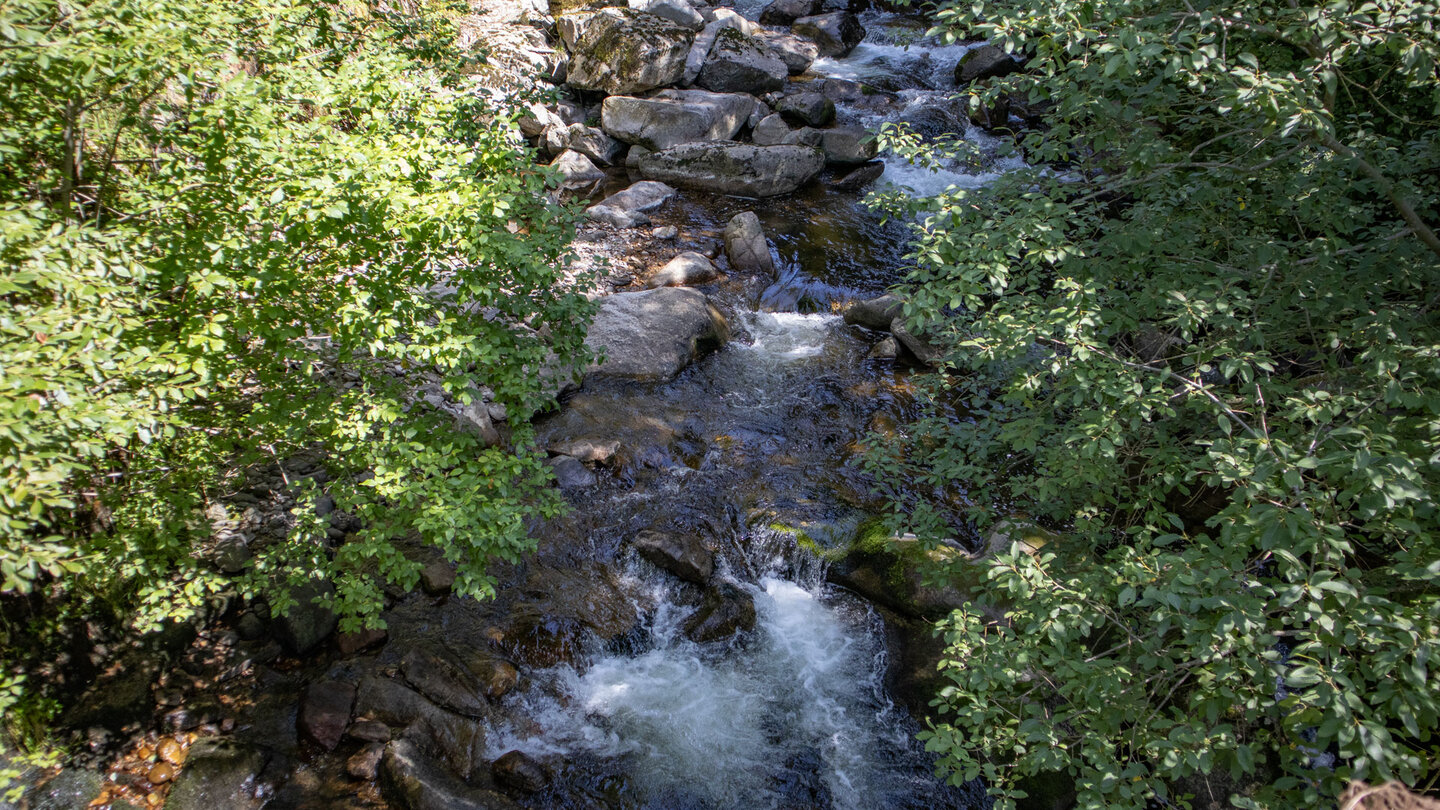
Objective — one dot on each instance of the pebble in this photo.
(161, 773)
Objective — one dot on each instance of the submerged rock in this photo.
(410, 782)
(745, 244)
(219, 773)
(620, 50)
(681, 554)
(652, 335)
(860, 177)
(728, 609)
(674, 117)
(519, 772)
(727, 167)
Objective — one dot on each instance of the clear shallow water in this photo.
(762, 432)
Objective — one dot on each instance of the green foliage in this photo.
(1205, 344)
(231, 233)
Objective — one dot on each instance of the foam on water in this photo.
(722, 729)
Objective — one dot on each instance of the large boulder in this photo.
(745, 244)
(797, 53)
(807, 109)
(770, 131)
(681, 554)
(591, 142)
(984, 62)
(848, 146)
(785, 12)
(676, 11)
(687, 268)
(835, 34)
(742, 169)
(674, 117)
(621, 50)
(741, 64)
(653, 335)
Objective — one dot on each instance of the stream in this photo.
(749, 448)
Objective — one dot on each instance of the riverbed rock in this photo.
(652, 335)
(728, 609)
(588, 450)
(409, 781)
(307, 623)
(745, 244)
(807, 109)
(918, 345)
(985, 62)
(785, 12)
(71, 788)
(674, 117)
(622, 51)
(836, 34)
(681, 554)
(576, 170)
(570, 474)
(219, 773)
(563, 608)
(365, 763)
(770, 131)
(615, 217)
(798, 53)
(683, 270)
(437, 578)
(848, 146)
(458, 741)
(592, 142)
(738, 63)
(676, 11)
(875, 313)
(887, 349)
(351, 643)
(433, 672)
(519, 772)
(646, 195)
(325, 712)
(726, 167)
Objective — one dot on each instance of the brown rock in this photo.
(160, 773)
(518, 772)
(351, 643)
(365, 763)
(437, 578)
(325, 712)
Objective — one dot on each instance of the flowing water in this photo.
(759, 436)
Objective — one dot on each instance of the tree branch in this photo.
(1407, 211)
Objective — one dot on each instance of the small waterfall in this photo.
(794, 716)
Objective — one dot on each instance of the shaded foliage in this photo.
(231, 233)
(1204, 342)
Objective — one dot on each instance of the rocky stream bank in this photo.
(711, 625)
